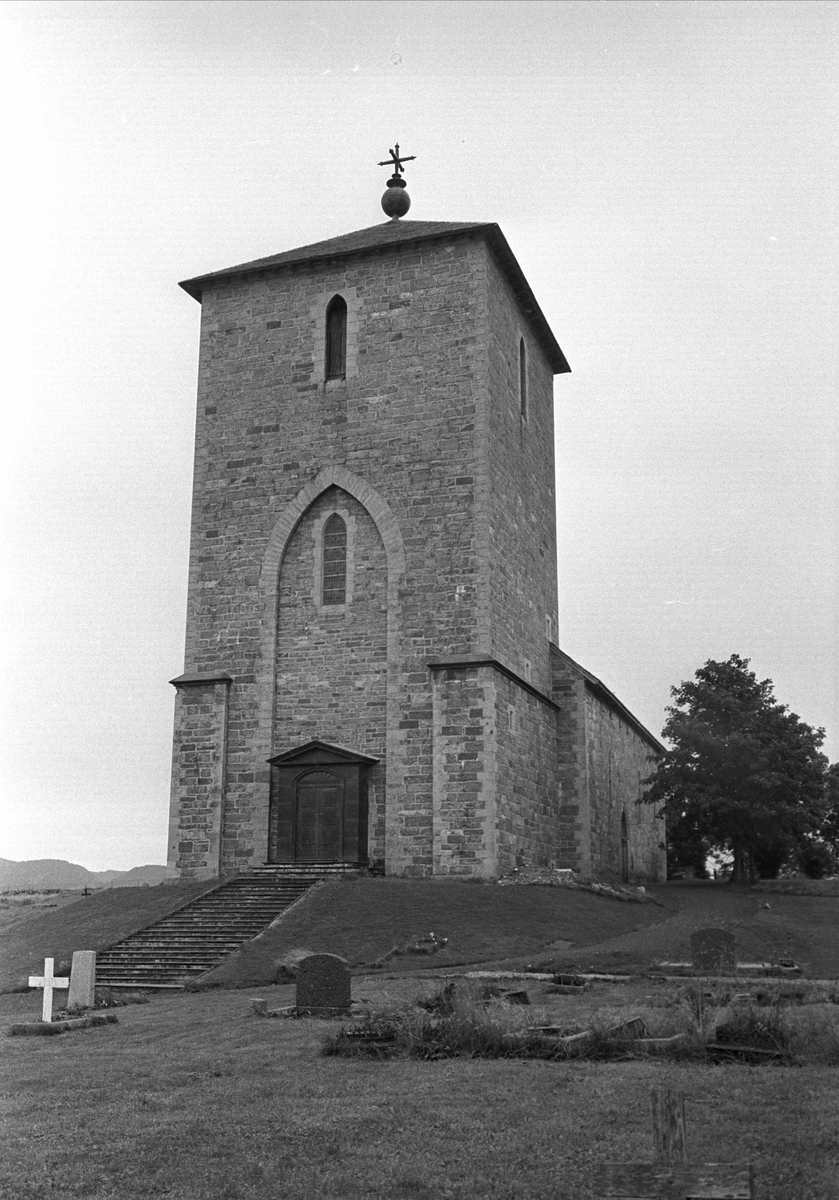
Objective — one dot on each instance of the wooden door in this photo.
(319, 817)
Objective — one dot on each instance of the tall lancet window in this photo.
(336, 338)
(522, 378)
(335, 561)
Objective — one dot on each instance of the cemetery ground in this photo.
(191, 1096)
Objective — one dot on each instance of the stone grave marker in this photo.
(713, 949)
(48, 981)
(82, 980)
(323, 986)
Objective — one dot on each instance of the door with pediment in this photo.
(318, 805)
(318, 817)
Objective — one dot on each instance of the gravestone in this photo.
(713, 949)
(323, 986)
(48, 981)
(82, 980)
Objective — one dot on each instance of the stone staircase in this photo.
(183, 945)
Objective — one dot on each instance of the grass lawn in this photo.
(192, 1098)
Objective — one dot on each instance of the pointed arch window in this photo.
(522, 378)
(336, 338)
(334, 561)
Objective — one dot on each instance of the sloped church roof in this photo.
(405, 233)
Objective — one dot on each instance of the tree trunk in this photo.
(737, 865)
(752, 867)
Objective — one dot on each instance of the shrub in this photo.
(813, 1035)
(817, 860)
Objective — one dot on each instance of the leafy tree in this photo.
(830, 824)
(686, 847)
(744, 773)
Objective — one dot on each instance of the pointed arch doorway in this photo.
(318, 805)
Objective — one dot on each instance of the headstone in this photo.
(713, 949)
(323, 986)
(48, 981)
(82, 980)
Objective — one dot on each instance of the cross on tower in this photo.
(396, 160)
(48, 982)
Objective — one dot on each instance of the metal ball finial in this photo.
(396, 200)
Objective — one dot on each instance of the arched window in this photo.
(334, 561)
(336, 338)
(522, 378)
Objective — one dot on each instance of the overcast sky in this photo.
(665, 174)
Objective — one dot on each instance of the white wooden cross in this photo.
(48, 982)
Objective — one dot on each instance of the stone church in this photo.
(372, 670)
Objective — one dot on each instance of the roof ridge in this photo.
(359, 239)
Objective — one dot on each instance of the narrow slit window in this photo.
(334, 561)
(336, 338)
(522, 378)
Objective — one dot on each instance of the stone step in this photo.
(197, 932)
(316, 869)
(202, 954)
(209, 920)
(145, 985)
(151, 968)
(193, 939)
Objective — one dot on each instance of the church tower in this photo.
(370, 672)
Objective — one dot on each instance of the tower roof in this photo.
(404, 233)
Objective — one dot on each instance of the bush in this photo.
(817, 860)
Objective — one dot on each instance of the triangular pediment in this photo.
(320, 752)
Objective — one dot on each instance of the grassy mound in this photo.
(364, 919)
(89, 923)
(800, 927)
(799, 887)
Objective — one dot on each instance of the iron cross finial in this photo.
(396, 160)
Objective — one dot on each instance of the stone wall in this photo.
(199, 773)
(522, 513)
(529, 820)
(605, 757)
(618, 763)
(399, 435)
(464, 772)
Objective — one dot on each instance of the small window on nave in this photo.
(336, 338)
(522, 378)
(334, 561)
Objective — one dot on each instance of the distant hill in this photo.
(41, 873)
